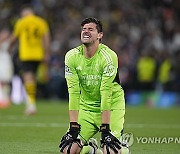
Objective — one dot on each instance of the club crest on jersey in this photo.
(109, 70)
(67, 71)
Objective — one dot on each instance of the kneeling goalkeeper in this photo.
(96, 99)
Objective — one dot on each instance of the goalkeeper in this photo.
(96, 99)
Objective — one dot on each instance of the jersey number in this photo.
(32, 35)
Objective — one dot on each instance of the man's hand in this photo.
(109, 141)
(70, 137)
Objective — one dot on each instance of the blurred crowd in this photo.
(144, 33)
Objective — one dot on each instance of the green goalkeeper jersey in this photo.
(93, 83)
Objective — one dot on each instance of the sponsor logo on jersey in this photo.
(90, 80)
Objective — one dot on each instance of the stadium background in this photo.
(146, 36)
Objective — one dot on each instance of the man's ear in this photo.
(100, 35)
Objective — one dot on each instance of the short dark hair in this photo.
(93, 20)
(26, 6)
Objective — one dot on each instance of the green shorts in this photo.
(91, 121)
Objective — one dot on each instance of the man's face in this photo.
(89, 34)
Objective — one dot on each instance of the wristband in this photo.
(104, 128)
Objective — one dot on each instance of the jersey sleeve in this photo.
(72, 82)
(110, 65)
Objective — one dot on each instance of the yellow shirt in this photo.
(146, 69)
(164, 71)
(30, 31)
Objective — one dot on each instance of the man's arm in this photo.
(106, 116)
(70, 142)
(73, 87)
(73, 115)
(106, 89)
(108, 141)
(46, 45)
(72, 81)
(14, 36)
(12, 41)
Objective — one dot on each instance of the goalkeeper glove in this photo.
(108, 140)
(70, 137)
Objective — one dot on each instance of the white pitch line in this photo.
(33, 125)
(160, 126)
(157, 126)
(14, 117)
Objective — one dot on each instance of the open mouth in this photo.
(86, 36)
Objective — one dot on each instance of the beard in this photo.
(87, 43)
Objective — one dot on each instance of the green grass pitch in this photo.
(41, 133)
